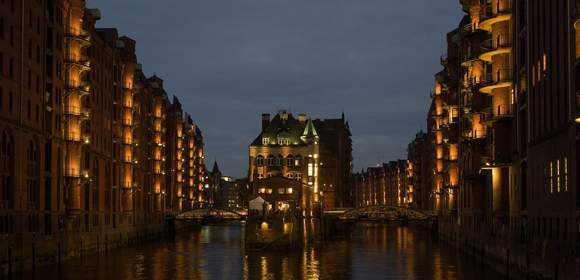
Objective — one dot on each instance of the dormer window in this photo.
(283, 141)
(265, 141)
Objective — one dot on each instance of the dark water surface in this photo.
(216, 252)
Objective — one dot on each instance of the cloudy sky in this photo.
(228, 61)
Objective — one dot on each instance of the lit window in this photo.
(281, 190)
(265, 141)
(289, 190)
(283, 141)
(565, 170)
(262, 190)
(298, 161)
(545, 63)
(268, 190)
(558, 175)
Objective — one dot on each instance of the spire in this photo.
(309, 130)
(215, 168)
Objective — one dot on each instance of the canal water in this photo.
(375, 251)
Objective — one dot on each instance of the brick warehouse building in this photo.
(92, 152)
(499, 162)
(316, 153)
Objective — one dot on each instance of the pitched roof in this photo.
(215, 168)
(287, 127)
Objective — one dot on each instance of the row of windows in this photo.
(292, 175)
(279, 160)
(280, 190)
(556, 175)
(283, 141)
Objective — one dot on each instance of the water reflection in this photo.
(216, 252)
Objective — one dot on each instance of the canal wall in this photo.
(29, 251)
(511, 257)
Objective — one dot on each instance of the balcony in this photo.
(501, 44)
(474, 134)
(82, 90)
(82, 37)
(467, 29)
(500, 78)
(72, 110)
(491, 17)
(498, 112)
(72, 173)
(81, 63)
(469, 58)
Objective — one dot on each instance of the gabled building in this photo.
(287, 148)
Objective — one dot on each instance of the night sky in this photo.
(228, 61)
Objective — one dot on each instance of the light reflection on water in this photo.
(216, 252)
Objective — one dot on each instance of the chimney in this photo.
(265, 121)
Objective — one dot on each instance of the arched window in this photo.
(32, 174)
(6, 171)
(279, 160)
(289, 160)
(270, 160)
(259, 160)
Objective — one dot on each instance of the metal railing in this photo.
(474, 134)
(489, 11)
(498, 76)
(72, 172)
(72, 110)
(468, 28)
(502, 40)
(498, 111)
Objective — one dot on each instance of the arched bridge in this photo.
(380, 212)
(199, 214)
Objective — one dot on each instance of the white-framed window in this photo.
(265, 141)
(271, 160)
(283, 141)
(298, 176)
(289, 160)
(259, 160)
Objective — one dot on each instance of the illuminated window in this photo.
(298, 176)
(281, 190)
(310, 169)
(283, 141)
(565, 171)
(265, 141)
(545, 63)
(558, 175)
(262, 190)
(298, 161)
(268, 191)
(289, 190)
